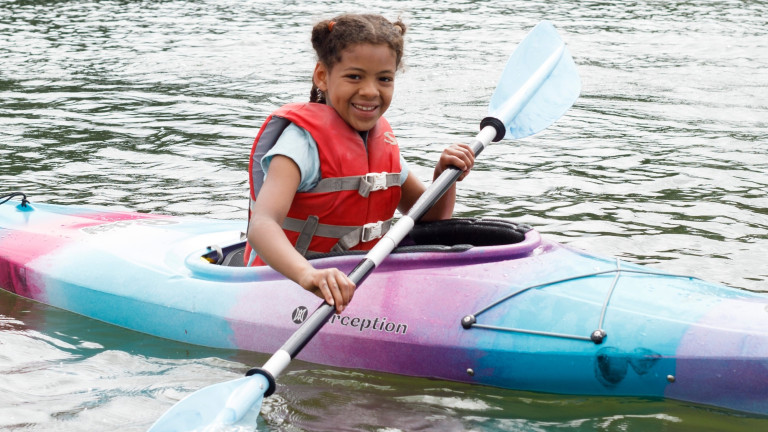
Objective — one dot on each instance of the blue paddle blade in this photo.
(228, 406)
(538, 84)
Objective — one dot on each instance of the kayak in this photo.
(482, 301)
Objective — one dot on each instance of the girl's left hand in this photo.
(459, 155)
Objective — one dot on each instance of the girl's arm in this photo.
(266, 236)
(458, 155)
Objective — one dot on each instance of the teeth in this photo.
(360, 107)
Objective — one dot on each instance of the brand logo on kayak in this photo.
(361, 324)
(300, 314)
(97, 229)
(366, 324)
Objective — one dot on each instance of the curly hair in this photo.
(331, 37)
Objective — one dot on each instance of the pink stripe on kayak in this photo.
(18, 248)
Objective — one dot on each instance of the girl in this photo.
(327, 175)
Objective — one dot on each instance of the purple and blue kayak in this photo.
(478, 301)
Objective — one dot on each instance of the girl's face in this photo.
(360, 86)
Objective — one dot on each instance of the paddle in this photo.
(538, 85)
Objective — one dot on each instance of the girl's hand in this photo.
(459, 155)
(266, 236)
(331, 285)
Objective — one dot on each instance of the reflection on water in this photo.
(153, 106)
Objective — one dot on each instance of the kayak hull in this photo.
(519, 316)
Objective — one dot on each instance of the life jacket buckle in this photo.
(372, 231)
(378, 181)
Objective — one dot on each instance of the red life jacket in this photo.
(359, 190)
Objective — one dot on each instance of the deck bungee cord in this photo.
(5, 198)
(597, 336)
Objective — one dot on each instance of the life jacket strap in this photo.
(365, 233)
(306, 233)
(349, 236)
(364, 184)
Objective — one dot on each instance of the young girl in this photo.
(327, 175)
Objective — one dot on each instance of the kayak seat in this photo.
(451, 235)
(467, 231)
(235, 258)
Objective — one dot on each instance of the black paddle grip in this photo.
(268, 376)
(497, 124)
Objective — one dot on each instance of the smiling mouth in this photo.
(365, 108)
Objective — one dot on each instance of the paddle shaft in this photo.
(279, 361)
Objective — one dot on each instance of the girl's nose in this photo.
(369, 89)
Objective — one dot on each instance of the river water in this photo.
(153, 105)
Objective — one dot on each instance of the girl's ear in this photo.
(320, 76)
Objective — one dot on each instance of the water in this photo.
(152, 106)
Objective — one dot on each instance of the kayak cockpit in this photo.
(448, 236)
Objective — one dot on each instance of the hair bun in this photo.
(400, 27)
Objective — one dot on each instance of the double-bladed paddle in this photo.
(538, 85)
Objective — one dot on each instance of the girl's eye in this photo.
(386, 79)
(354, 76)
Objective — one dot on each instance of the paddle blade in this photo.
(538, 85)
(228, 406)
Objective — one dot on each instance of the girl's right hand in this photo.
(331, 285)
(458, 155)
